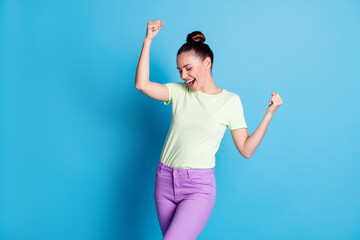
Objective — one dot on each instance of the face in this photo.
(191, 67)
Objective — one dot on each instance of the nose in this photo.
(183, 75)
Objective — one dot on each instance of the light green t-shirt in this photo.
(198, 123)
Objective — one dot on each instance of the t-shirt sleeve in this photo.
(172, 87)
(237, 119)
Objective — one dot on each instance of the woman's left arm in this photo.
(246, 144)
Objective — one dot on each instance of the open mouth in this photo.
(191, 83)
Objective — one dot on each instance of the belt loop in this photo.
(188, 173)
(160, 168)
(214, 171)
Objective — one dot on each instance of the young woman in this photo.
(185, 188)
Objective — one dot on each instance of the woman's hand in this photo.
(275, 103)
(153, 27)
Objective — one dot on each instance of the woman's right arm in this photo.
(154, 90)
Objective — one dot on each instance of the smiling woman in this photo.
(195, 60)
(201, 113)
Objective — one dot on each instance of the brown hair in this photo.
(195, 41)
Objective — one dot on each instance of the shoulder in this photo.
(232, 96)
(178, 87)
(176, 84)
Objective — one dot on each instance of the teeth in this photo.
(190, 80)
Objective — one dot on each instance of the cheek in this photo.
(196, 73)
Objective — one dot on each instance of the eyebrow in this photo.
(184, 66)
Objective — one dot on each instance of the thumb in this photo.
(273, 93)
(162, 24)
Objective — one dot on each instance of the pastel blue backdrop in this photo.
(80, 145)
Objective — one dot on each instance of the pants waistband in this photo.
(163, 167)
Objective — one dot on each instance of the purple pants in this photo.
(184, 199)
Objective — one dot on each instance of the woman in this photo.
(185, 188)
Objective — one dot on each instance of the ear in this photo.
(207, 63)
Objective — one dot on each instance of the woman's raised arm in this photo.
(154, 90)
(246, 144)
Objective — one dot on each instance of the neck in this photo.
(209, 86)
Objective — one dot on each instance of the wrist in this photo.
(269, 115)
(147, 39)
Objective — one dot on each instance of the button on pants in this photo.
(184, 199)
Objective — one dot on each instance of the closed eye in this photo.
(186, 69)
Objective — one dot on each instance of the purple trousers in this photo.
(184, 199)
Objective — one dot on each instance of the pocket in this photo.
(158, 169)
(205, 180)
(213, 178)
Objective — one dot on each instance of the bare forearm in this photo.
(142, 71)
(253, 141)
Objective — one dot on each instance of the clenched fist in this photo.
(153, 27)
(275, 103)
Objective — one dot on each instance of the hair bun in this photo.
(196, 36)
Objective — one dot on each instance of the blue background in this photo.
(80, 145)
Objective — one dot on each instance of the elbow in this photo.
(139, 86)
(247, 156)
